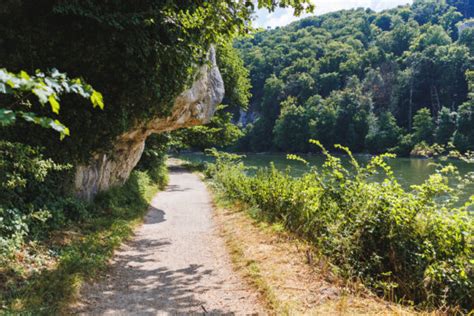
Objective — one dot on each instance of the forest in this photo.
(397, 81)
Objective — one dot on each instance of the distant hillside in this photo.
(370, 81)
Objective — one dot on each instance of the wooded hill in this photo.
(396, 80)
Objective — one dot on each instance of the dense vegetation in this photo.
(370, 81)
(140, 55)
(410, 246)
(55, 242)
(50, 241)
(396, 80)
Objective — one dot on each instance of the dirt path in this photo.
(177, 262)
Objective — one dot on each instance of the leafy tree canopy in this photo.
(405, 59)
(46, 89)
(139, 54)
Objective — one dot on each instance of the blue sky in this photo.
(282, 17)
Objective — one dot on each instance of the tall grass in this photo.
(413, 246)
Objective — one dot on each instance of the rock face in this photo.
(192, 107)
(465, 25)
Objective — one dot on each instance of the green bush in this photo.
(405, 146)
(384, 134)
(48, 291)
(422, 149)
(124, 201)
(408, 245)
(154, 158)
(33, 198)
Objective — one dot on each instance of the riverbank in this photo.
(287, 271)
(407, 171)
(408, 246)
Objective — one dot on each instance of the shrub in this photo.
(154, 158)
(423, 126)
(384, 134)
(42, 277)
(412, 245)
(33, 200)
(123, 201)
(422, 149)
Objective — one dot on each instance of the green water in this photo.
(408, 171)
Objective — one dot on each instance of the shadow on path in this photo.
(176, 264)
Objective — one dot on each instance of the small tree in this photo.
(384, 134)
(446, 126)
(291, 132)
(423, 126)
(464, 136)
(353, 108)
(323, 117)
(467, 38)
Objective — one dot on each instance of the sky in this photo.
(282, 17)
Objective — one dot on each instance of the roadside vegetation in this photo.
(413, 247)
(290, 276)
(50, 241)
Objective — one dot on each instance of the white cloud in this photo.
(283, 17)
(279, 18)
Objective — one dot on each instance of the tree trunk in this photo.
(435, 103)
(410, 107)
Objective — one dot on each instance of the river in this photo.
(408, 171)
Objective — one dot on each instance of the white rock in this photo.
(194, 106)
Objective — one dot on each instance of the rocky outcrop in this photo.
(465, 25)
(192, 107)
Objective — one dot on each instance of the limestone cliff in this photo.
(465, 25)
(192, 107)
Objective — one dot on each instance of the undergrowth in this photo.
(41, 273)
(411, 246)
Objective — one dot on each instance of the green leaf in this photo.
(28, 116)
(54, 103)
(3, 88)
(64, 133)
(97, 99)
(24, 75)
(59, 127)
(7, 117)
(41, 93)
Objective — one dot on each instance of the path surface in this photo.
(176, 263)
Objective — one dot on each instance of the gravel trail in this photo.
(176, 264)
